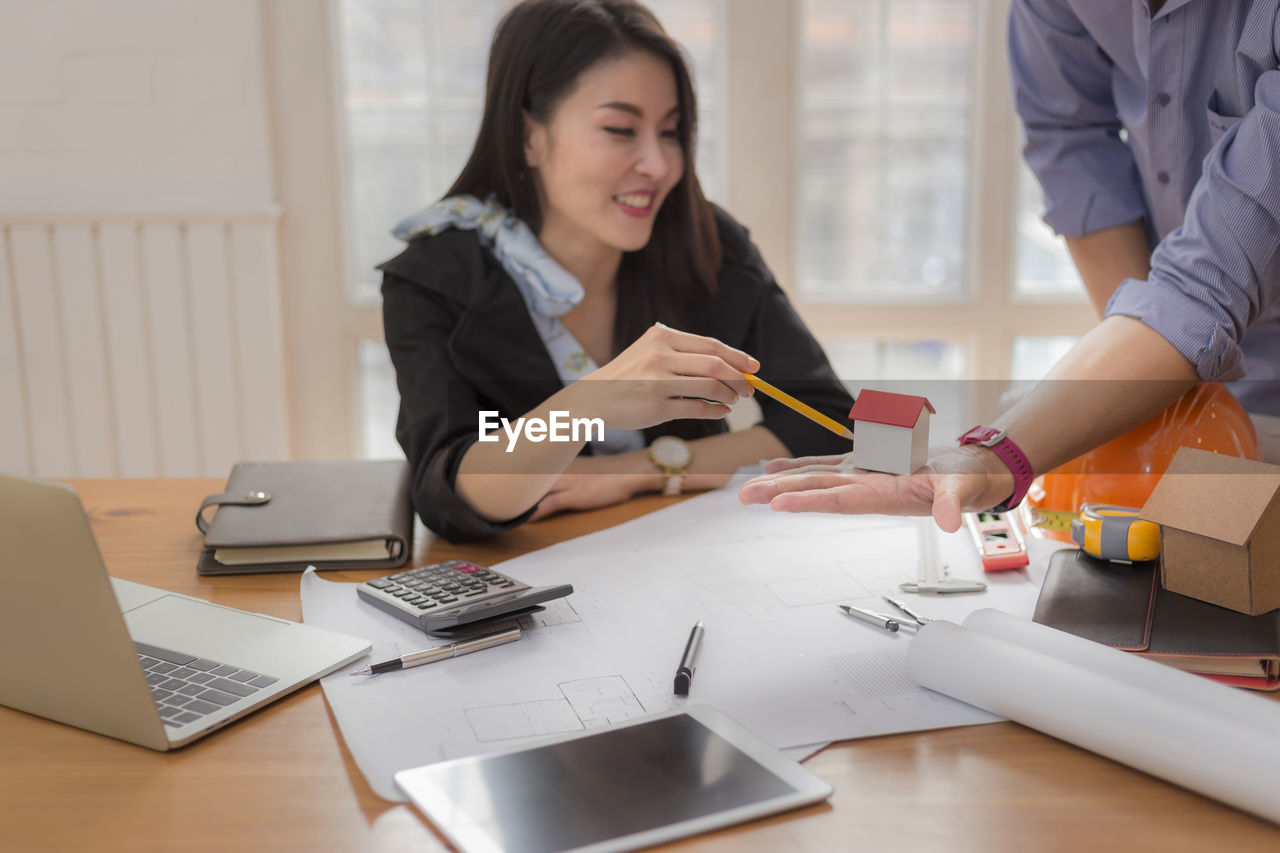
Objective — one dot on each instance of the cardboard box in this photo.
(1219, 520)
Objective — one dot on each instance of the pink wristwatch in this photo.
(1010, 454)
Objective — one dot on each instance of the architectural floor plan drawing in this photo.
(778, 655)
(539, 717)
(873, 675)
(602, 701)
(557, 617)
(586, 703)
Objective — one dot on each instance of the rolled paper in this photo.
(1224, 703)
(1180, 727)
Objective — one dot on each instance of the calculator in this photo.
(456, 595)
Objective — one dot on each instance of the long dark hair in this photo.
(540, 49)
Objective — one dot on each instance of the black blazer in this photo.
(461, 341)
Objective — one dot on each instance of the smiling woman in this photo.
(576, 267)
(639, 153)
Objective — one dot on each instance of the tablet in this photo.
(621, 788)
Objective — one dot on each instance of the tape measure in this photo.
(1053, 519)
(1115, 533)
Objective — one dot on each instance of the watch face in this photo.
(670, 452)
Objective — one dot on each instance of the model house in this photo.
(891, 431)
(1218, 518)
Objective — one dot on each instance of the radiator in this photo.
(140, 345)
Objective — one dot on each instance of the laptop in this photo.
(125, 660)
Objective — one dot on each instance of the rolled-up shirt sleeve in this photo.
(1213, 276)
(1062, 92)
(438, 407)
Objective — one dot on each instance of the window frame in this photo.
(759, 137)
(990, 314)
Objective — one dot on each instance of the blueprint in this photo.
(778, 655)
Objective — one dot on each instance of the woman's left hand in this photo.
(595, 481)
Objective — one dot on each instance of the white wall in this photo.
(140, 318)
(133, 104)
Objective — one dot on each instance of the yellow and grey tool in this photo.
(1115, 533)
(1053, 519)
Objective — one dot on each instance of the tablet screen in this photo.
(591, 789)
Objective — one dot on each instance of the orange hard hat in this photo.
(1125, 471)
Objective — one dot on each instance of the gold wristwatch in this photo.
(672, 456)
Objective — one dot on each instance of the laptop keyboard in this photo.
(187, 688)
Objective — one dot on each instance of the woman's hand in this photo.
(666, 374)
(598, 481)
(955, 479)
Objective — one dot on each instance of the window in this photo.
(379, 402)
(413, 75)
(696, 25)
(916, 228)
(869, 145)
(885, 114)
(1033, 356)
(1044, 266)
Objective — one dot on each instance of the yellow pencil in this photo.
(792, 403)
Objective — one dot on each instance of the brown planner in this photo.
(1124, 606)
(285, 516)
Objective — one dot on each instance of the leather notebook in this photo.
(285, 516)
(1126, 608)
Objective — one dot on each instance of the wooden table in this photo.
(282, 779)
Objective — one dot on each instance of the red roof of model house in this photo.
(885, 407)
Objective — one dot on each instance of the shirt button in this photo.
(1162, 177)
(1163, 99)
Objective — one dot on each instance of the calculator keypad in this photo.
(441, 586)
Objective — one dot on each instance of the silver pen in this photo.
(877, 619)
(689, 660)
(916, 617)
(436, 653)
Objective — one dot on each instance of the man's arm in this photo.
(1066, 414)
(1106, 258)
(1119, 375)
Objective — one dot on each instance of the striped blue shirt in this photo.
(1176, 120)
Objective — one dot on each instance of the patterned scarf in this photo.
(548, 288)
